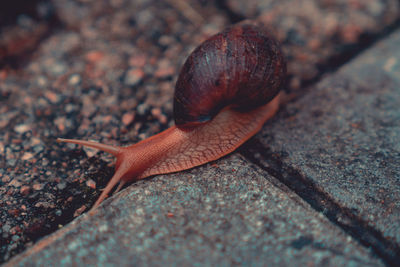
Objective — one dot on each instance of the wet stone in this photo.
(344, 139)
(61, 185)
(128, 118)
(22, 128)
(133, 76)
(25, 190)
(11, 162)
(69, 108)
(74, 79)
(224, 214)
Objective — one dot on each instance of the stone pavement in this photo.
(237, 216)
(319, 185)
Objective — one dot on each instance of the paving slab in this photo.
(342, 142)
(222, 214)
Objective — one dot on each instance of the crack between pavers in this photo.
(332, 63)
(233, 16)
(320, 201)
(336, 61)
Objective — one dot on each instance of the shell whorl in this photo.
(241, 67)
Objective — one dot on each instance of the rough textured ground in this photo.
(345, 144)
(105, 70)
(237, 218)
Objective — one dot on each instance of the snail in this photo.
(227, 88)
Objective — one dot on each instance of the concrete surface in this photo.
(343, 138)
(223, 214)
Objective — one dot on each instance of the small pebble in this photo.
(6, 179)
(52, 97)
(61, 185)
(14, 183)
(43, 204)
(164, 69)
(25, 190)
(45, 162)
(6, 227)
(41, 81)
(163, 119)
(27, 156)
(128, 118)
(70, 108)
(138, 61)
(90, 183)
(133, 76)
(156, 112)
(166, 40)
(35, 141)
(74, 79)
(94, 56)
(58, 68)
(60, 123)
(22, 128)
(11, 162)
(90, 152)
(38, 187)
(142, 108)
(38, 148)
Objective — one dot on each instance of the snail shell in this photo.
(241, 67)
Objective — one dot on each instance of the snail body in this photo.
(227, 89)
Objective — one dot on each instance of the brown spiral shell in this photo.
(241, 67)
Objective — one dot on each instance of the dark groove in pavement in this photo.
(335, 62)
(231, 15)
(320, 201)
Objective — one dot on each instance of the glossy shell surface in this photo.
(241, 67)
